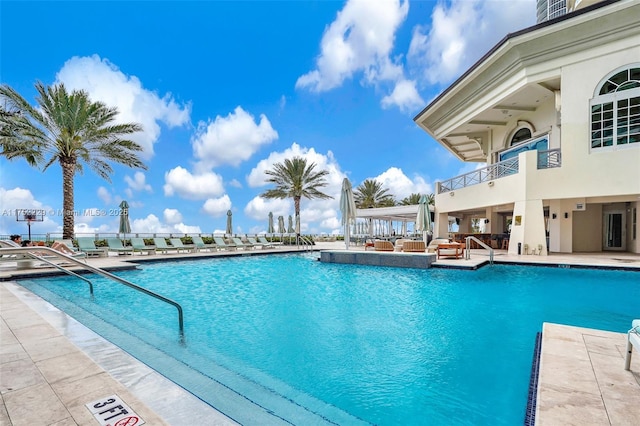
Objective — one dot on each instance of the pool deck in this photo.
(51, 366)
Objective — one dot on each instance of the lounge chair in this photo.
(633, 341)
(67, 242)
(162, 246)
(433, 245)
(201, 245)
(256, 243)
(177, 243)
(381, 245)
(239, 243)
(399, 244)
(137, 244)
(115, 244)
(267, 244)
(414, 247)
(88, 245)
(222, 244)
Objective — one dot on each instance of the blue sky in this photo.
(224, 90)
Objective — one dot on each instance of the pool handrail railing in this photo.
(96, 270)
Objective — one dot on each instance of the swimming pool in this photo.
(299, 340)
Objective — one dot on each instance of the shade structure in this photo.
(270, 228)
(125, 227)
(229, 222)
(281, 229)
(423, 220)
(347, 208)
(290, 229)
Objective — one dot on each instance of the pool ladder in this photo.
(306, 243)
(467, 250)
(29, 252)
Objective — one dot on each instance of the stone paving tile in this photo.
(52, 347)
(570, 408)
(69, 367)
(35, 405)
(10, 352)
(19, 374)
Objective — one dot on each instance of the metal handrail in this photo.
(302, 240)
(467, 254)
(96, 270)
(549, 159)
(494, 171)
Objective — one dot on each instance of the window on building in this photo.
(615, 110)
(520, 136)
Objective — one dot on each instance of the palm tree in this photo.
(411, 200)
(371, 194)
(68, 128)
(295, 179)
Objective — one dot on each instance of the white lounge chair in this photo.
(633, 341)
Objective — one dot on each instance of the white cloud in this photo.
(172, 216)
(461, 32)
(181, 182)
(138, 182)
(405, 96)
(259, 208)
(401, 186)
(105, 82)
(151, 224)
(20, 198)
(360, 39)
(231, 139)
(235, 183)
(104, 195)
(216, 207)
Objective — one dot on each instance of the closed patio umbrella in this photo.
(229, 222)
(423, 221)
(125, 227)
(290, 229)
(270, 229)
(347, 208)
(281, 228)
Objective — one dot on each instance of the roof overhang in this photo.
(518, 75)
(396, 213)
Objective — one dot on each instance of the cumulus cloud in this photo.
(259, 208)
(231, 139)
(216, 207)
(20, 198)
(152, 224)
(462, 31)
(104, 195)
(138, 182)
(105, 82)
(181, 182)
(401, 186)
(360, 39)
(172, 216)
(404, 95)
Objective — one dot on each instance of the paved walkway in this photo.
(51, 366)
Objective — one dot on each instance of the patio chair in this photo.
(222, 244)
(201, 245)
(162, 246)
(115, 244)
(255, 243)
(239, 243)
(633, 341)
(433, 245)
(67, 242)
(137, 244)
(381, 245)
(414, 247)
(177, 243)
(88, 245)
(266, 244)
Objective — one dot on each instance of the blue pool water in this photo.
(349, 344)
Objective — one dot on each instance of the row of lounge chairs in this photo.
(175, 245)
(442, 247)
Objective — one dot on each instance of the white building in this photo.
(554, 112)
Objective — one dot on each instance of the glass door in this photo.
(614, 231)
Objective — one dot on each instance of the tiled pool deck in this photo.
(51, 366)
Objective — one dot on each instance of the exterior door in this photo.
(614, 231)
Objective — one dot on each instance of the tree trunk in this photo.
(296, 205)
(68, 218)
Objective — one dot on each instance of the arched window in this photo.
(615, 110)
(521, 135)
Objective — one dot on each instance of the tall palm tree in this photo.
(67, 128)
(295, 179)
(411, 200)
(371, 194)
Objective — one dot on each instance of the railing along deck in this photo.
(546, 159)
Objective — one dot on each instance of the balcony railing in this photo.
(546, 160)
